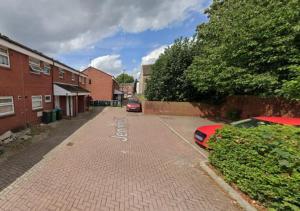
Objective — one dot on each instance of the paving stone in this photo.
(154, 173)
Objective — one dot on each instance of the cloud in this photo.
(62, 26)
(153, 55)
(111, 64)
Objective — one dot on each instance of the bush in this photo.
(264, 162)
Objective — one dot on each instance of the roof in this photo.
(280, 120)
(74, 89)
(3, 37)
(146, 69)
(90, 67)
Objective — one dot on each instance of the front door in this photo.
(69, 105)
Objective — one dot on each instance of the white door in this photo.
(69, 105)
(57, 104)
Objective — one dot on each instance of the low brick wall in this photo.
(256, 106)
(179, 108)
(248, 105)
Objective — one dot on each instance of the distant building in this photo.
(145, 75)
(102, 86)
(127, 89)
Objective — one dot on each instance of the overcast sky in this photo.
(109, 34)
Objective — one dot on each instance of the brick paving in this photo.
(92, 170)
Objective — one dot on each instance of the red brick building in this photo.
(127, 89)
(28, 86)
(102, 86)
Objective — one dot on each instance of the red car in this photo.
(133, 105)
(203, 133)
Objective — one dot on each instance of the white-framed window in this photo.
(6, 105)
(48, 99)
(84, 81)
(61, 73)
(37, 102)
(35, 65)
(4, 57)
(80, 79)
(73, 76)
(47, 68)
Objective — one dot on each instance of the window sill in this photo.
(37, 109)
(5, 67)
(7, 115)
(35, 73)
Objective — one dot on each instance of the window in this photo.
(37, 102)
(80, 79)
(47, 98)
(61, 73)
(73, 77)
(4, 57)
(47, 69)
(84, 80)
(6, 105)
(90, 81)
(35, 65)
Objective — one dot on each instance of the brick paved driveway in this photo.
(93, 170)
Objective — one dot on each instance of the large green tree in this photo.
(168, 81)
(247, 47)
(124, 78)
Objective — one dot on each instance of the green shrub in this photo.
(264, 162)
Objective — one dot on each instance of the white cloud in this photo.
(60, 26)
(111, 64)
(153, 55)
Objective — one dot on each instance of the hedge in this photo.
(264, 162)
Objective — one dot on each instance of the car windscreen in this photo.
(133, 102)
(247, 123)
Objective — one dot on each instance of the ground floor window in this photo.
(47, 98)
(37, 102)
(6, 105)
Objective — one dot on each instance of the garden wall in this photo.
(248, 105)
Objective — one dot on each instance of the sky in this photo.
(112, 35)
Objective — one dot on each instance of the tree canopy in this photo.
(124, 78)
(168, 81)
(247, 47)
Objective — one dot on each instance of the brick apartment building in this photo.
(127, 89)
(102, 86)
(144, 76)
(31, 82)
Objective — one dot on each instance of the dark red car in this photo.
(203, 133)
(133, 105)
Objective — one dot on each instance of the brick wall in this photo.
(101, 86)
(19, 82)
(249, 105)
(178, 108)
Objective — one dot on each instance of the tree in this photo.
(247, 47)
(124, 78)
(168, 80)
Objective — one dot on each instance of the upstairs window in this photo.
(37, 102)
(47, 69)
(4, 57)
(80, 79)
(90, 81)
(35, 65)
(61, 73)
(84, 80)
(73, 77)
(6, 105)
